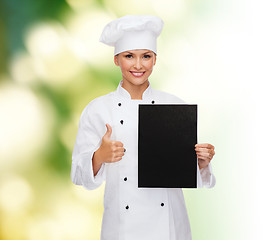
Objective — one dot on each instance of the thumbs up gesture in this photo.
(109, 151)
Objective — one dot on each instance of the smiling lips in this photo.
(137, 74)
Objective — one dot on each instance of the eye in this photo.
(147, 56)
(129, 56)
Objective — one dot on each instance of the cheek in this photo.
(149, 65)
(126, 66)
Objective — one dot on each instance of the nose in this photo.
(138, 64)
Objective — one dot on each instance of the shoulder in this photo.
(99, 104)
(166, 97)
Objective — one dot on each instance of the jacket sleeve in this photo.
(205, 176)
(88, 140)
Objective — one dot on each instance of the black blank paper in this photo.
(167, 135)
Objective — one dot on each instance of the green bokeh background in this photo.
(212, 52)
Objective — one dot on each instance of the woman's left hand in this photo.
(205, 153)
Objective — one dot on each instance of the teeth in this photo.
(137, 74)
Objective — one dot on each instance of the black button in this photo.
(121, 121)
(162, 204)
(127, 207)
(119, 104)
(124, 150)
(125, 179)
(153, 102)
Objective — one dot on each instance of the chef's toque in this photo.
(132, 32)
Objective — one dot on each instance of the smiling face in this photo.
(136, 66)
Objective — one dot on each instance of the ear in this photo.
(155, 59)
(116, 60)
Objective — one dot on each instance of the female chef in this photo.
(106, 146)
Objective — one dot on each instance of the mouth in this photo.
(137, 74)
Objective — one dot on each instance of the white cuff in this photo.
(205, 177)
(82, 171)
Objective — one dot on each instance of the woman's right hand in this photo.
(109, 151)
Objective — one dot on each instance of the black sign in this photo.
(167, 134)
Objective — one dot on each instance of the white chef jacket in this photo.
(130, 213)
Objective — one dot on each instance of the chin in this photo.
(138, 82)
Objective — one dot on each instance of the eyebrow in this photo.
(142, 53)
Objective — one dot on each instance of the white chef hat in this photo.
(132, 32)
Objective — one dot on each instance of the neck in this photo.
(135, 91)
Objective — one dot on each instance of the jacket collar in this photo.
(124, 93)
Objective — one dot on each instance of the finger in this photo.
(118, 144)
(108, 131)
(116, 149)
(116, 159)
(121, 149)
(204, 158)
(208, 150)
(204, 154)
(204, 145)
(119, 154)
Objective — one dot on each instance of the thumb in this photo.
(108, 132)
